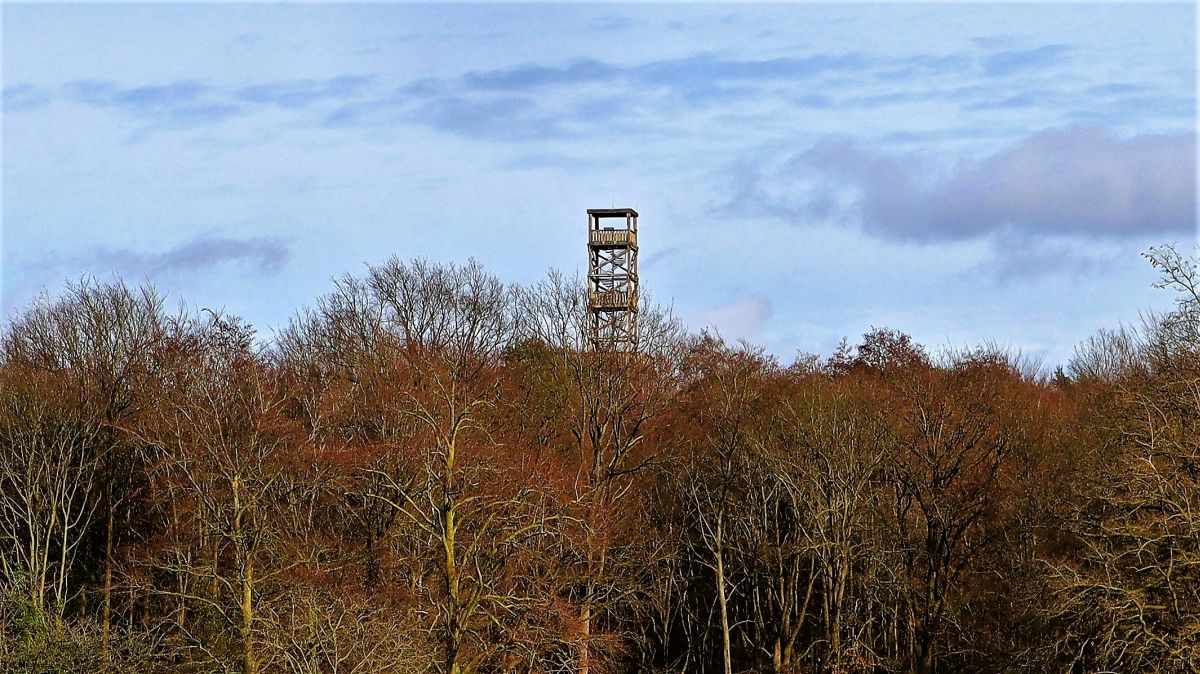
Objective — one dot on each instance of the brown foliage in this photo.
(429, 471)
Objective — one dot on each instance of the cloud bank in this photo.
(1075, 181)
(260, 254)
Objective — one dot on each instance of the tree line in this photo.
(428, 471)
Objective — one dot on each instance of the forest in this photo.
(427, 470)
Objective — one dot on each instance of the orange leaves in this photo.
(430, 466)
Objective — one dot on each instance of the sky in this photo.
(965, 173)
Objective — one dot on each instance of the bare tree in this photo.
(837, 445)
(952, 435)
(1128, 597)
(727, 403)
(417, 347)
(606, 399)
(46, 470)
(221, 425)
(105, 336)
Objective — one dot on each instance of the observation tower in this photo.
(612, 279)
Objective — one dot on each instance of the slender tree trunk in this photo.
(106, 611)
(722, 599)
(789, 649)
(836, 604)
(249, 662)
(596, 495)
(453, 581)
(214, 588)
(182, 562)
(60, 586)
(37, 571)
(452, 588)
(585, 634)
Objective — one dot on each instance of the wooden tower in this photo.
(613, 279)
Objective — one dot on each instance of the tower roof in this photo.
(612, 212)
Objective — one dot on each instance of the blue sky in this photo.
(803, 171)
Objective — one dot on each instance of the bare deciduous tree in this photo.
(1128, 597)
(606, 400)
(46, 475)
(105, 336)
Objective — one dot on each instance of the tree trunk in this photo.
(454, 628)
(722, 601)
(585, 634)
(835, 622)
(449, 531)
(249, 663)
(924, 663)
(106, 612)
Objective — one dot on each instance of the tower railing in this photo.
(612, 299)
(612, 237)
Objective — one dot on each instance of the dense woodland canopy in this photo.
(428, 472)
